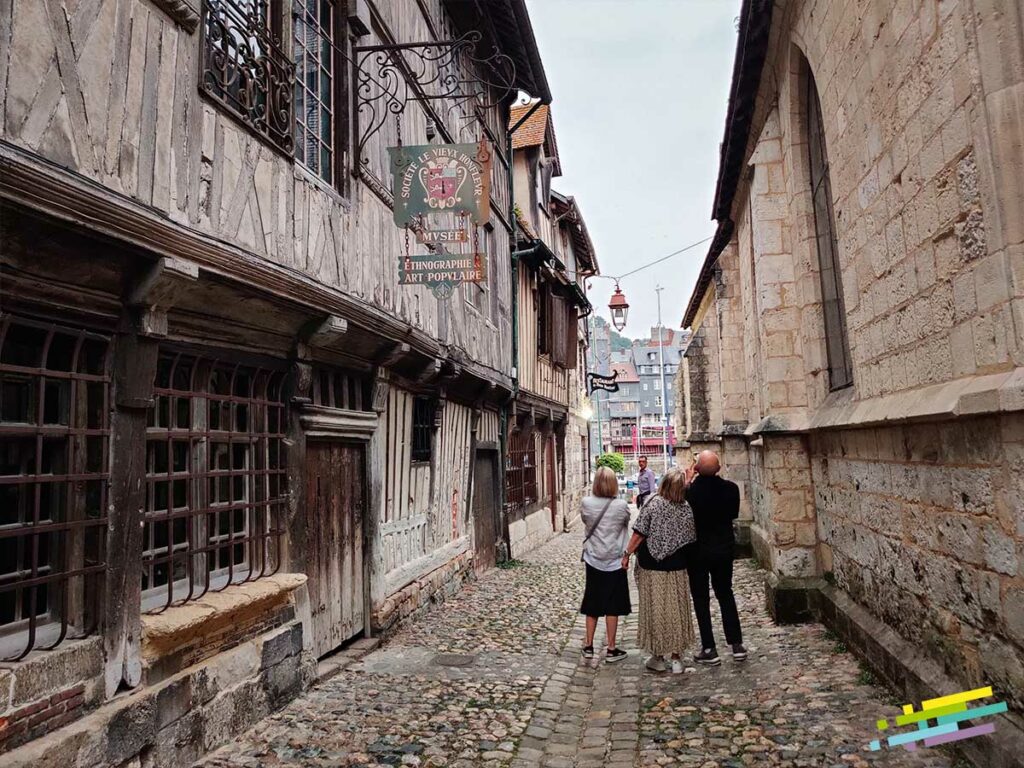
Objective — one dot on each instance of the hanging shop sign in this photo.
(442, 192)
(603, 383)
(442, 271)
(441, 178)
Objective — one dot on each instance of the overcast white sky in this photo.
(640, 89)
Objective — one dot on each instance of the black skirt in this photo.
(606, 593)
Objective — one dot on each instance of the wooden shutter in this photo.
(572, 335)
(559, 336)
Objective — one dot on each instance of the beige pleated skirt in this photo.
(666, 613)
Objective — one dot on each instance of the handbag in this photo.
(590, 532)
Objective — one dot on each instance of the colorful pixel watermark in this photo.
(948, 712)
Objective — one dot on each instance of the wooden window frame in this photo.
(424, 415)
(338, 145)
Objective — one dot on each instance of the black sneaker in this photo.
(707, 656)
(588, 652)
(613, 655)
(739, 652)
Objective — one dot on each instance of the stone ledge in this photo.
(913, 675)
(969, 396)
(164, 632)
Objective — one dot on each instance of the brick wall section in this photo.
(41, 717)
(924, 524)
(202, 646)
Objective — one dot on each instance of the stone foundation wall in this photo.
(530, 532)
(172, 724)
(924, 525)
(419, 597)
(49, 690)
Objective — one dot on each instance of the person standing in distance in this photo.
(715, 503)
(645, 483)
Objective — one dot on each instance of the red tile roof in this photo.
(532, 132)
(627, 373)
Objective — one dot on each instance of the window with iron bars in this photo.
(521, 469)
(54, 476)
(245, 67)
(215, 478)
(423, 412)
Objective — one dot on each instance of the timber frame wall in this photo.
(139, 212)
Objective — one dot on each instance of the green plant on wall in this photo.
(614, 461)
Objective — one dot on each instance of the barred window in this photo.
(215, 478)
(317, 77)
(54, 465)
(245, 67)
(335, 389)
(521, 469)
(423, 411)
(837, 342)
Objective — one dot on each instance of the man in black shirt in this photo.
(715, 503)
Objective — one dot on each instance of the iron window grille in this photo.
(423, 411)
(521, 470)
(54, 476)
(245, 67)
(837, 343)
(215, 478)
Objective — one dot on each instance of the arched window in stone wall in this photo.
(837, 343)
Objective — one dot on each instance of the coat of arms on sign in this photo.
(443, 181)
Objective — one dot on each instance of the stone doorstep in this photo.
(339, 660)
(165, 632)
(910, 673)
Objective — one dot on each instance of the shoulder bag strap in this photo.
(590, 531)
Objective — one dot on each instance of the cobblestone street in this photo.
(494, 678)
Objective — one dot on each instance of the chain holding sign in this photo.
(434, 184)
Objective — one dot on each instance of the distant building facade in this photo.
(858, 333)
(657, 392)
(548, 444)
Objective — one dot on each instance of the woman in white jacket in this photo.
(606, 529)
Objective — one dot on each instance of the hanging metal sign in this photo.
(442, 271)
(441, 178)
(603, 383)
(436, 186)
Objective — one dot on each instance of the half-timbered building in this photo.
(554, 256)
(230, 440)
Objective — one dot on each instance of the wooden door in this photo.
(334, 541)
(552, 480)
(485, 509)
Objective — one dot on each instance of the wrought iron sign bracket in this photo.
(445, 73)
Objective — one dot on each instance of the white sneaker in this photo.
(656, 664)
(677, 666)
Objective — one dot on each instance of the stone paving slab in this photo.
(494, 678)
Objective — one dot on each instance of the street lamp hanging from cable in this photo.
(619, 308)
